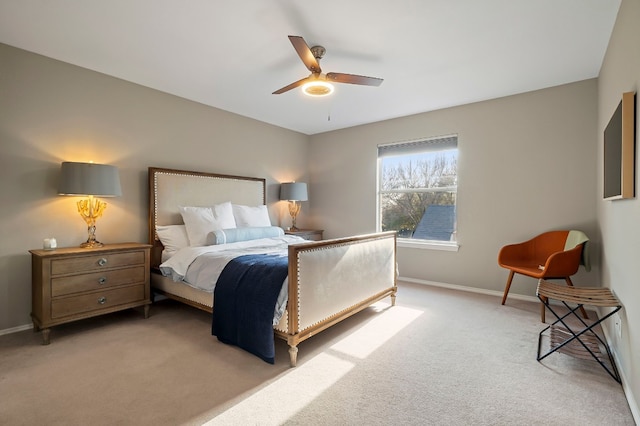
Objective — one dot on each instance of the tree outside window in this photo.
(417, 188)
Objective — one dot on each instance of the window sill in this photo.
(428, 245)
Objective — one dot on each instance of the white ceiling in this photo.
(232, 55)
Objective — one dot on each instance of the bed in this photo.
(327, 281)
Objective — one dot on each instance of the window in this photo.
(417, 187)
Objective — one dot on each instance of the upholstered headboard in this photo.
(169, 189)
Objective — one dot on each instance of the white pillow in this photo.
(251, 216)
(173, 237)
(224, 215)
(202, 221)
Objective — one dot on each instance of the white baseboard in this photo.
(470, 289)
(16, 329)
(628, 392)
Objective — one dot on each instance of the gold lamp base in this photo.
(294, 209)
(91, 244)
(90, 210)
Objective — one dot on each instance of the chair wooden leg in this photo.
(584, 313)
(507, 287)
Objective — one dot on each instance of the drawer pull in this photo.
(102, 280)
(102, 300)
(102, 261)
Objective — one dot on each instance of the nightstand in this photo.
(307, 234)
(70, 284)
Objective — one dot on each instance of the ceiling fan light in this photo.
(317, 88)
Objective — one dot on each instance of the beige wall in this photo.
(619, 221)
(52, 112)
(526, 165)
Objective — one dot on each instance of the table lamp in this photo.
(293, 192)
(91, 180)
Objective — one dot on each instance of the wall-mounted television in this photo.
(620, 151)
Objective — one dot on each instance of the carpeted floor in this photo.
(439, 357)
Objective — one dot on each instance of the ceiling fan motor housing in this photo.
(318, 52)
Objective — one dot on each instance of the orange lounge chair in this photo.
(551, 255)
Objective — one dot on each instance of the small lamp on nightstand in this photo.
(89, 179)
(293, 192)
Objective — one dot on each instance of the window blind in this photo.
(415, 147)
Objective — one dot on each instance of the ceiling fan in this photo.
(318, 83)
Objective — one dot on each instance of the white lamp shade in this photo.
(293, 191)
(100, 180)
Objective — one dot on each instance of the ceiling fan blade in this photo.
(291, 86)
(354, 79)
(305, 54)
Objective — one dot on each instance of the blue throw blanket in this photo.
(244, 302)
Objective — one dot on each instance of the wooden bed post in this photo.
(293, 355)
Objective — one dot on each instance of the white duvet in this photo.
(200, 267)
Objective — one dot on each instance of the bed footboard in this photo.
(333, 279)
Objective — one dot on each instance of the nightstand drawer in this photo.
(82, 264)
(66, 306)
(97, 280)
